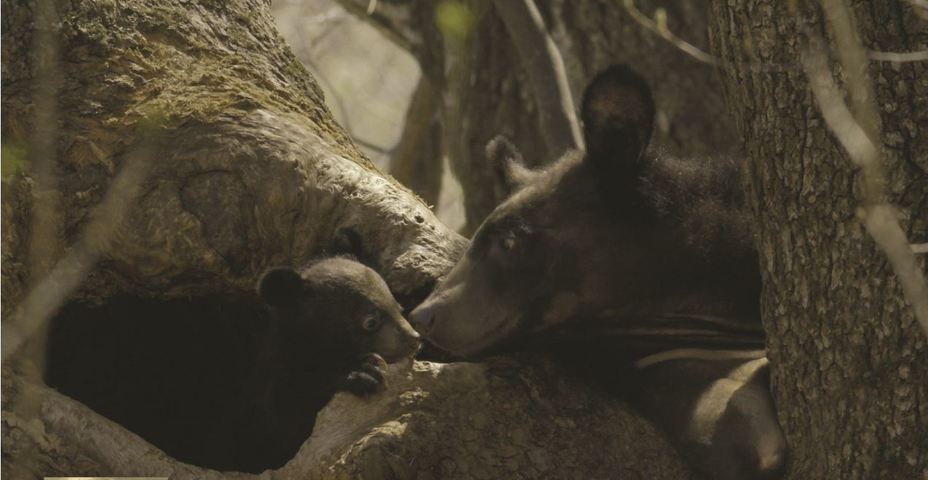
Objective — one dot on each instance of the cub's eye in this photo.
(371, 323)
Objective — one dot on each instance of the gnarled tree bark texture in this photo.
(507, 418)
(849, 363)
(254, 173)
(496, 96)
(251, 171)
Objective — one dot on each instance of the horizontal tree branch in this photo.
(461, 420)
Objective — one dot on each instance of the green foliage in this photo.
(12, 157)
(454, 19)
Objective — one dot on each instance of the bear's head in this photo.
(606, 235)
(339, 303)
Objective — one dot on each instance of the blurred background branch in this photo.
(374, 85)
(52, 290)
(45, 228)
(858, 130)
(542, 60)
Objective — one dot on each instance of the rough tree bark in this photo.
(507, 418)
(849, 363)
(252, 171)
(591, 35)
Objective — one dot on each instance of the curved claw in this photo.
(369, 378)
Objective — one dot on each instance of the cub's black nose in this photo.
(422, 319)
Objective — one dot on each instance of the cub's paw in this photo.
(369, 378)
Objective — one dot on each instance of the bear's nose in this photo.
(423, 319)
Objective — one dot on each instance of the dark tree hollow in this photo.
(174, 372)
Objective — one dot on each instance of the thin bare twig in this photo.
(898, 57)
(661, 30)
(853, 58)
(858, 133)
(45, 210)
(546, 72)
(43, 143)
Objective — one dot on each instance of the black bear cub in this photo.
(232, 383)
(333, 326)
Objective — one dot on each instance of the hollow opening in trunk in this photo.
(181, 374)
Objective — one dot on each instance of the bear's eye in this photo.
(371, 322)
(507, 242)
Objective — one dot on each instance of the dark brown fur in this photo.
(613, 257)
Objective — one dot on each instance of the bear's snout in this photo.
(423, 319)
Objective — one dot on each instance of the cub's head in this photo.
(584, 238)
(340, 303)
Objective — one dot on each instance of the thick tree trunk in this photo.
(245, 168)
(254, 171)
(591, 35)
(849, 363)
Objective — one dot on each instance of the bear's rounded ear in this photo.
(618, 116)
(279, 286)
(509, 170)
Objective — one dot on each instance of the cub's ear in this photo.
(279, 286)
(347, 243)
(509, 170)
(618, 115)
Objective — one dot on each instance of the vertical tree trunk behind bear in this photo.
(850, 364)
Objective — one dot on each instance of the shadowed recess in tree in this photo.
(179, 373)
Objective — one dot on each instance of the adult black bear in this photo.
(635, 268)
